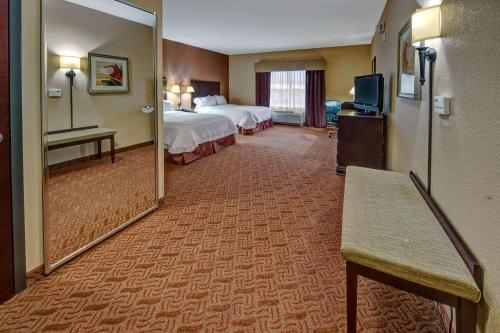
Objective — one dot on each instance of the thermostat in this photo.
(442, 105)
(55, 92)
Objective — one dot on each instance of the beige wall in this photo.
(32, 124)
(342, 65)
(68, 29)
(466, 157)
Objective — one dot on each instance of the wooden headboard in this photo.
(204, 88)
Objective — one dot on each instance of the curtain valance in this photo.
(285, 65)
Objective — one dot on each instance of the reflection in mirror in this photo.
(100, 145)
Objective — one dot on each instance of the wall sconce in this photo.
(71, 63)
(425, 25)
(176, 89)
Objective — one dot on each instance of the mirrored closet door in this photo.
(99, 122)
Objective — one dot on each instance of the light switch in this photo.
(442, 105)
(55, 92)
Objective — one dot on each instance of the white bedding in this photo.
(245, 116)
(184, 131)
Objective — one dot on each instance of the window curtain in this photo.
(263, 88)
(315, 99)
(288, 91)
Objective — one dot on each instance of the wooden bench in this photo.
(394, 233)
(79, 137)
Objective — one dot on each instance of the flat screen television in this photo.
(369, 92)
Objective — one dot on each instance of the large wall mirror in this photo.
(99, 122)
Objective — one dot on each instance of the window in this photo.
(288, 91)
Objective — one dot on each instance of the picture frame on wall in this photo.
(408, 82)
(108, 74)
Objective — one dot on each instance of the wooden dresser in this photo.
(360, 141)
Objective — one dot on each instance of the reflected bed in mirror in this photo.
(100, 149)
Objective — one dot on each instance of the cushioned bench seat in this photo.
(63, 139)
(74, 136)
(388, 227)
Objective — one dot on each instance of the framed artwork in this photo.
(108, 74)
(408, 84)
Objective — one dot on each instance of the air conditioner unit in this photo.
(288, 117)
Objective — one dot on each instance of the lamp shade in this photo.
(352, 91)
(426, 24)
(190, 89)
(69, 62)
(175, 89)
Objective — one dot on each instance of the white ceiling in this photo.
(118, 9)
(251, 26)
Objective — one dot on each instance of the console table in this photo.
(360, 140)
(79, 137)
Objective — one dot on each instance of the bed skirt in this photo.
(204, 149)
(260, 127)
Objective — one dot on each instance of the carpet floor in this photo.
(248, 242)
(88, 200)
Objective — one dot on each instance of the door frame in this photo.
(16, 145)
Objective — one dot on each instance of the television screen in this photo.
(369, 92)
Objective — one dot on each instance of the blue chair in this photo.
(332, 108)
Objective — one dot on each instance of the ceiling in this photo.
(118, 9)
(251, 26)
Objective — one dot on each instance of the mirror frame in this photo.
(48, 265)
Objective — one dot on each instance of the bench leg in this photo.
(99, 149)
(466, 316)
(352, 296)
(112, 141)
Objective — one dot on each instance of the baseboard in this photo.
(35, 275)
(444, 316)
(87, 158)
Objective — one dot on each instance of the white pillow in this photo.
(211, 101)
(205, 101)
(221, 100)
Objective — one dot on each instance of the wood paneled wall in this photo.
(183, 63)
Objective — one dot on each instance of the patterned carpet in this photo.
(248, 242)
(90, 199)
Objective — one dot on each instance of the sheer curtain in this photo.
(288, 91)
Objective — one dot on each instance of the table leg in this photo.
(112, 141)
(352, 296)
(466, 316)
(99, 149)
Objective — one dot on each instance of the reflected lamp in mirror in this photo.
(71, 63)
(425, 25)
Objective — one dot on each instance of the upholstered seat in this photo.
(387, 226)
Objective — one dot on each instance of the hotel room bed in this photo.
(190, 136)
(248, 119)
